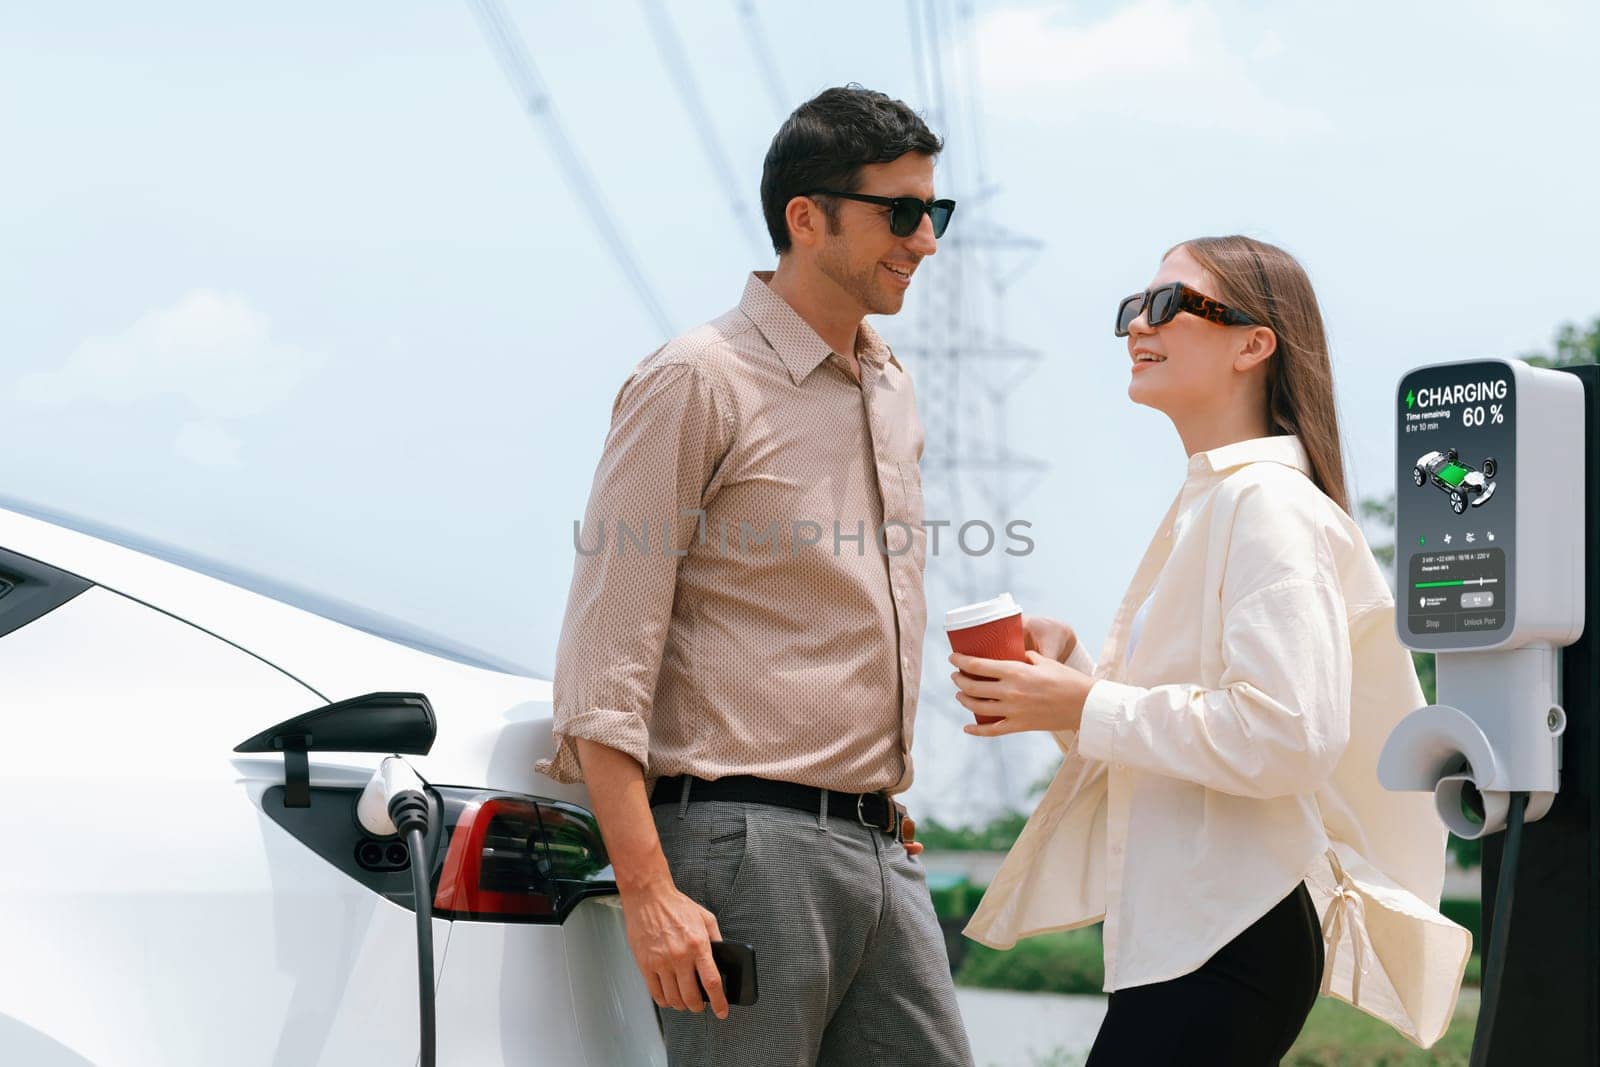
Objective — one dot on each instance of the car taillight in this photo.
(518, 859)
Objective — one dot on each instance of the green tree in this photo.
(1574, 346)
(997, 835)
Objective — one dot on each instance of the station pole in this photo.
(1550, 994)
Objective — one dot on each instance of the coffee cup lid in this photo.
(983, 611)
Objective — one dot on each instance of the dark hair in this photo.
(1271, 286)
(827, 141)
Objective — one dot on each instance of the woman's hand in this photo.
(1040, 694)
(1049, 637)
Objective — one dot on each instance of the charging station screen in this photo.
(1454, 504)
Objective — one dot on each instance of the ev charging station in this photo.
(1494, 517)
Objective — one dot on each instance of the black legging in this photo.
(1244, 1007)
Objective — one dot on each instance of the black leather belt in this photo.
(874, 810)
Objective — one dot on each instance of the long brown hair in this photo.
(1270, 286)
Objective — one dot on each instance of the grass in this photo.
(1337, 1035)
(1069, 962)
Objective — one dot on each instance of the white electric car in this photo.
(166, 900)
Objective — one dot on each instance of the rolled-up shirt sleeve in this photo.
(1276, 725)
(669, 432)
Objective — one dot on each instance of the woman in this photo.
(1218, 804)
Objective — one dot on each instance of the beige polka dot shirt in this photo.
(747, 594)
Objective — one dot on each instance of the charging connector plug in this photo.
(396, 802)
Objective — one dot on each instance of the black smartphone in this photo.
(736, 963)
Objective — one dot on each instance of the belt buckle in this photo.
(894, 814)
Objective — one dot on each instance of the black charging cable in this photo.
(409, 811)
(1494, 960)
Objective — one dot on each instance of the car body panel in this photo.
(613, 1023)
(494, 748)
(162, 915)
(164, 918)
(618, 1025)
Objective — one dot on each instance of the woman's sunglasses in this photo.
(1166, 301)
(905, 212)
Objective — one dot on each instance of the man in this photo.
(745, 626)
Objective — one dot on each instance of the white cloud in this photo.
(1160, 61)
(213, 349)
(1270, 46)
(207, 444)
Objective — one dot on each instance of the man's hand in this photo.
(908, 830)
(670, 936)
(1048, 637)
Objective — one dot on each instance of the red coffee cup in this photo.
(991, 629)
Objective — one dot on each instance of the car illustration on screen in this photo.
(1465, 486)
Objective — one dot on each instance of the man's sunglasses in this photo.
(1166, 301)
(905, 212)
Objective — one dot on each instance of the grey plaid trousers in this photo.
(849, 956)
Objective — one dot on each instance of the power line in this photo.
(765, 61)
(941, 111)
(914, 20)
(968, 87)
(517, 62)
(967, 371)
(670, 46)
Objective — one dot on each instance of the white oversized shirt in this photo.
(1234, 754)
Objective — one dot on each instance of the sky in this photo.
(303, 288)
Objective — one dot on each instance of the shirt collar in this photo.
(798, 346)
(1282, 448)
